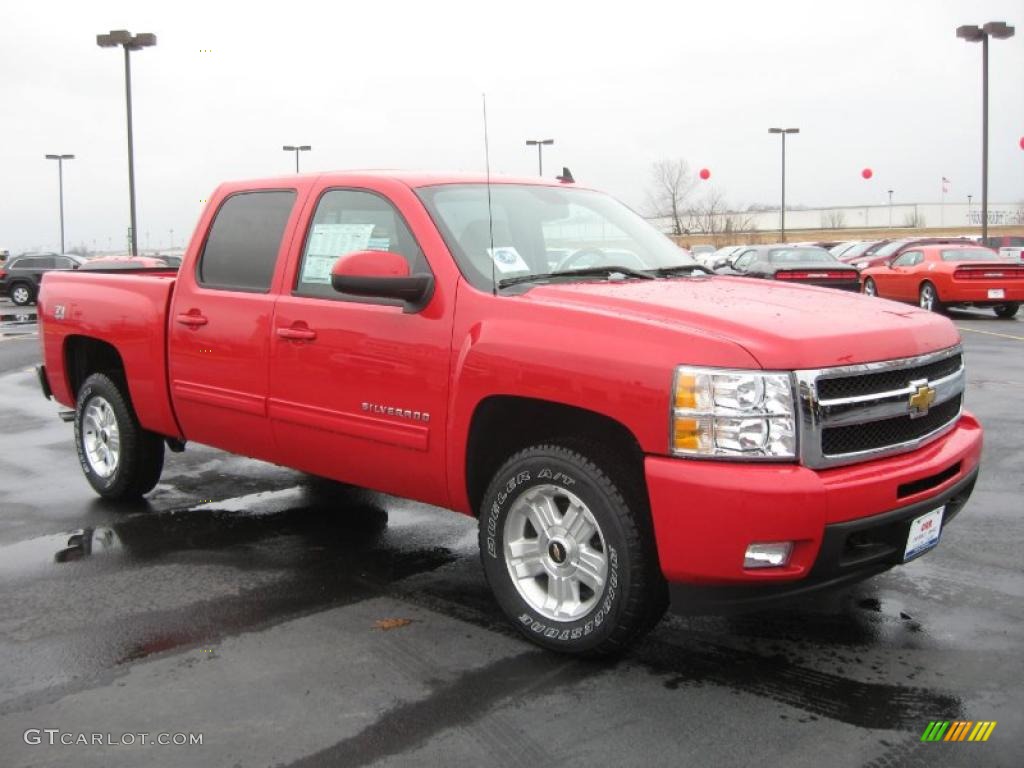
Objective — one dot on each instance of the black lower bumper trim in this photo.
(850, 552)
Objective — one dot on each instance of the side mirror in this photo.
(381, 275)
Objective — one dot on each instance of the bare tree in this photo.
(711, 216)
(671, 184)
(914, 219)
(833, 219)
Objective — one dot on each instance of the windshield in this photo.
(801, 256)
(969, 254)
(539, 230)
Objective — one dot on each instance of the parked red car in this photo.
(938, 276)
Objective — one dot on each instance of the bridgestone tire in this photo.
(633, 596)
(141, 453)
(1006, 311)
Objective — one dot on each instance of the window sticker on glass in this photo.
(507, 259)
(329, 241)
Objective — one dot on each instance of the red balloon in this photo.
(867, 173)
(705, 174)
(1022, 142)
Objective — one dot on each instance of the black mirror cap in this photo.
(413, 292)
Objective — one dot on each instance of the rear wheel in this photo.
(120, 459)
(21, 294)
(928, 298)
(870, 289)
(567, 549)
(1006, 311)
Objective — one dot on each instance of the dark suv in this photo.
(21, 275)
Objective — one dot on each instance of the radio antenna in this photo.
(490, 213)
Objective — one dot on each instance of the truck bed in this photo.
(127, 309)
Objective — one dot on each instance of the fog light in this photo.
(767, 555)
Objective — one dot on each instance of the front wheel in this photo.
(870, 289)
(120, 459)
(928, 298)
(1006, 311)
(568, 551)
(21, 295)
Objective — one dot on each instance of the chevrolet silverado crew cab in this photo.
(627, 428)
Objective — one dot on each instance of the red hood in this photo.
(784, 327)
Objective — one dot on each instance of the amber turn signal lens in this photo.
(687, 435)
(686, 391)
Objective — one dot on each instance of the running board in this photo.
(66, 416)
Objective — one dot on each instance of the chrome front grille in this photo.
(862, 412)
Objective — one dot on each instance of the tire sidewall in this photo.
(515, 479)
(101, 386)
(28, 292)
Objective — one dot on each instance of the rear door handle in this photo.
(297, 333)
(193, 319)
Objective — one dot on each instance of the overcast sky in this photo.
(884, 85)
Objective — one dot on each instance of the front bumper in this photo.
(706, 513)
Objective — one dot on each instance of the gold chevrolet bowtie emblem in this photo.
(922, 399)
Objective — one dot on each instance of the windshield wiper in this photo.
(682, 269)
(583, 272)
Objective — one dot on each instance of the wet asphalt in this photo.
(293, 622)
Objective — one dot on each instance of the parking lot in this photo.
(294, 623)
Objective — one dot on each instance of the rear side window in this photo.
(244, 241)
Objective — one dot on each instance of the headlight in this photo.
(733, 414)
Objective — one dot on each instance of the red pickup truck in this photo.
(626, 427)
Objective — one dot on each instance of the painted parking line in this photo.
(991, 333)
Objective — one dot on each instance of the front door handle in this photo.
(192, 319)
(297, 333)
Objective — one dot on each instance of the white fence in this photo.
(918, 215)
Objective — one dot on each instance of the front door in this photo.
(358, 387)
(220, 324)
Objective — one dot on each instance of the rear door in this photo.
(359, 387)
(219, 328)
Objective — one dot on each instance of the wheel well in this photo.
(84, 356)
(503, 425)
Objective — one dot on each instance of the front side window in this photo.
(349, 220)
(908, 259)
(245, 238)
(535, 230)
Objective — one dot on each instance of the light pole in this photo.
(890, 209)
(60, 180)
(540, 144)
(972, 34)
(130, 43)
(296, 150)
(783, 132)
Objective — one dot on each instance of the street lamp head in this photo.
(998, 29)
(535, 142)
(60, 157)
(123, 37)
(792, 130)
(774, 130)
(305, 148)
(142, 40)
(288, 148)
(970, 33)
